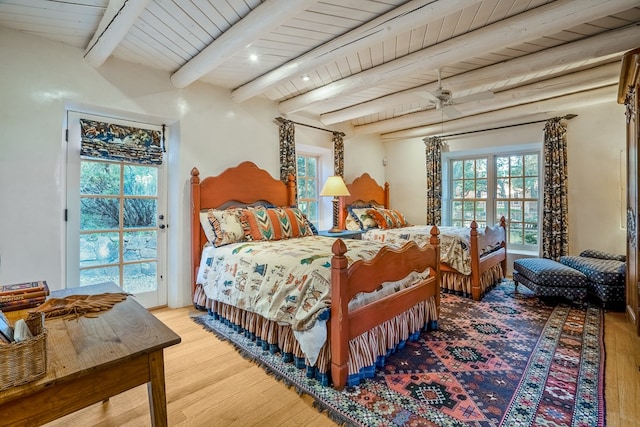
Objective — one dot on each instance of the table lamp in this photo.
(335, 187)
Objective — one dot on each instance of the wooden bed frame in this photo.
(247, 184)
(365, 190)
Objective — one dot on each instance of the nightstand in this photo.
(344, 234)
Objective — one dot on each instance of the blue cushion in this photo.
(572, 292)
(547, 272)
(604, 271)
(592, 253)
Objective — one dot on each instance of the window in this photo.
(469, 187)
(517, 184)
(308, 178)
(484, 188)
(118, 227)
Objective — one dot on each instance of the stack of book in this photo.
(23, 295)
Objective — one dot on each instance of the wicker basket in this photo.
(25, 361)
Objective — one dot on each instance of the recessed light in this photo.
(253, 57)
(306, 78)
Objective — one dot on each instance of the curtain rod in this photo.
(280, 119)
(567, 117)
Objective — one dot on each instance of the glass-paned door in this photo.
(115, 222)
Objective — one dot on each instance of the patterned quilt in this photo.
(284, 280)
(455, 244)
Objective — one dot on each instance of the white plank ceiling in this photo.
(372, 64)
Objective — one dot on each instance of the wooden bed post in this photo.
(387, 202)
(291, 190)
(339, 316)
(196, 247)
(434, 241)
(503, 224)
(476, 289)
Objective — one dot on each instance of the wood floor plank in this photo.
(209, 384)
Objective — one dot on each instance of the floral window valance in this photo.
(122, 143)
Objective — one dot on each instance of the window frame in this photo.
(318, 179)
(491, 153)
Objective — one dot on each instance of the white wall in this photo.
(597, 149)
(40, 79)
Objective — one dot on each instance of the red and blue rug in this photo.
(508, 360)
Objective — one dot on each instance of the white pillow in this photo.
(227, 226)
(205, 264)
(206, 226)
(362, 218)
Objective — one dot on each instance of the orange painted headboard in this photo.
(364, 190)
(244, 184)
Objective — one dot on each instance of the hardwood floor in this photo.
(209, 384)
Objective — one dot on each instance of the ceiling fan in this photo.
(443, 99)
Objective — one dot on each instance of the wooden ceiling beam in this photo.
(605, 75)
(269, 15)
(549, 18)
(570, 55)
(558, 106)
(116, 22)
(413, 14)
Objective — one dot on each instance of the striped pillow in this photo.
(387, 218)
(262, 223)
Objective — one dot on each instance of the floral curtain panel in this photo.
(555, 226)
(338, 154)
(338, 169)
(100, 140)
(433, 146)
(287, 150)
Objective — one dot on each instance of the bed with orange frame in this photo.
(487, 248)
(246, 184)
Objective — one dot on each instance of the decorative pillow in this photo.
(351, 224)
(292, 222)
(227, 226)
(207, 227)
(387, 218)
(313, 228)
(205, 264)
(262, 223)
(362, 217)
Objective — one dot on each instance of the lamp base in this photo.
(335, 230)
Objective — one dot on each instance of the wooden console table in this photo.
(92, 359)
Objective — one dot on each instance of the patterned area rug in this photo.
(508, 360)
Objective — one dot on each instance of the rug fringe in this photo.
(317, 404)
(248, 355)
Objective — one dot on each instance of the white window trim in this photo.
(325, 170)
(488, 151)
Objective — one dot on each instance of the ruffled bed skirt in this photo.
(367, 351)
(461, 285)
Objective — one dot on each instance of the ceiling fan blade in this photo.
(480, 96)
(427, 95)
(451, 112)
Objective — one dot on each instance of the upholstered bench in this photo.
(606, 275)
(549, 278)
